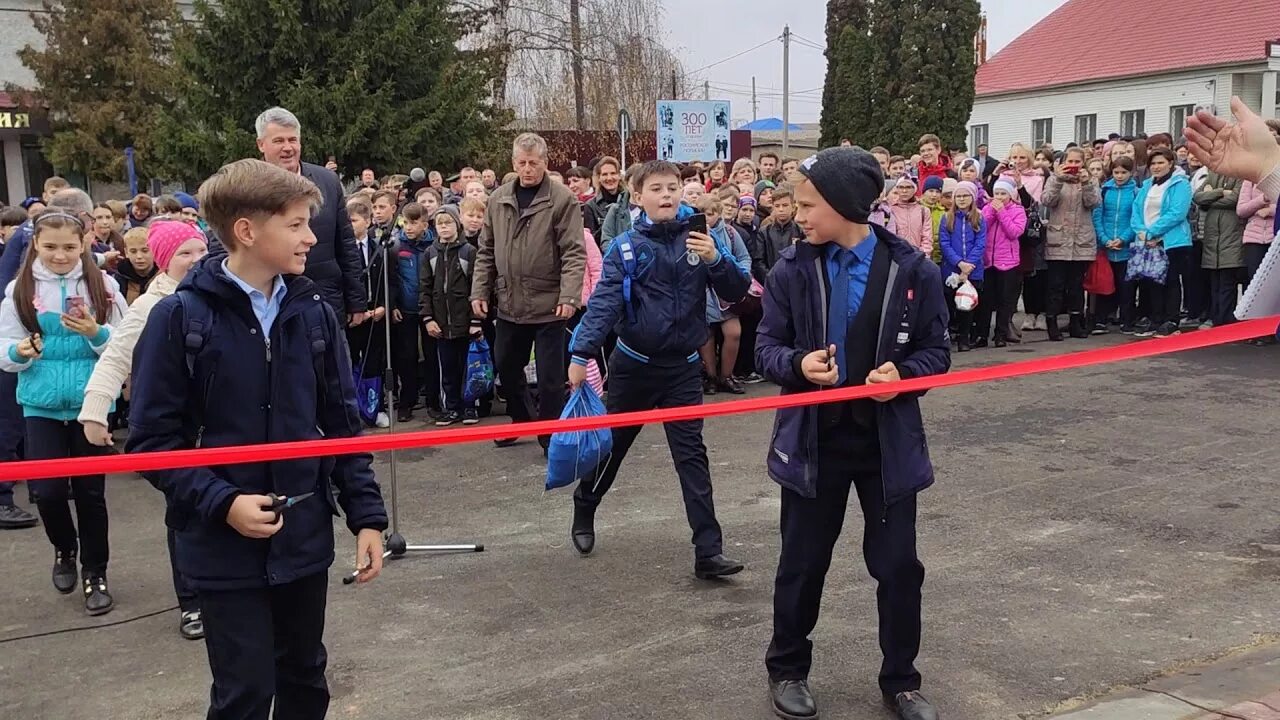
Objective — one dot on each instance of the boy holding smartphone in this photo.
(656, 363)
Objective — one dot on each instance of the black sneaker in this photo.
(752, 379)
(13, 517)
(731, 385)
(470, 416)
(1099, 329)
(1127, 330)
(448, 418)
(64, 571)
(709, 386)
(97, 600)
(978, 343)
(404, 415)
(1168, 329)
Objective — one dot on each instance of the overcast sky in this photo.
(747, 23)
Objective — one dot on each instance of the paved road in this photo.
(1088, 529)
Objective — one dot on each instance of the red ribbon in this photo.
(265, 452)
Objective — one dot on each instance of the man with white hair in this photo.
(334, 262)
(531, 260)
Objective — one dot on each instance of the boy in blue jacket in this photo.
(853, 304)
(653, 295)
(261, 574)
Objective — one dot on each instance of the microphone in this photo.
(417, 175)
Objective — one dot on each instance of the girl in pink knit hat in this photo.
(176, 246)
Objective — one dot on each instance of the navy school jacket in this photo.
(913, 336)
(250, 392)
(668, 322)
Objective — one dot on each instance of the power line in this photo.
(803, 39)
(733, 57)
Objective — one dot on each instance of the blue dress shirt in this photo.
(264, 308)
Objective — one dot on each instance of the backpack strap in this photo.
(197, 324)
(627, 252)
(317, 318)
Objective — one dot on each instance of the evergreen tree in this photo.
(375, 83)
(103, 74)
(898, 69)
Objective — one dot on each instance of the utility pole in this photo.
(575, 39)
(754, 105)
(675, 94)
(786, 90)
(706, 89)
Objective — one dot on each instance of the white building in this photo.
(1095, 67)
(23, 169)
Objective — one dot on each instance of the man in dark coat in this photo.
(334, 263)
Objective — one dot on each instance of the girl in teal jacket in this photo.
(1113, 224)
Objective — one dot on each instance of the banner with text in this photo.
(691, 130)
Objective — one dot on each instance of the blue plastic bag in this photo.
(479, 382)
(575, 456)
(368, 395)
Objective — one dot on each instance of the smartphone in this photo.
(698, 223)
(1071, 170)
(37, 343)
(73, 306)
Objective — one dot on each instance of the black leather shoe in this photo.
(97, 600)
(64, 571)
(505, 442)
(583, 532)
(911, 706)
(715, 567)
(792, 700)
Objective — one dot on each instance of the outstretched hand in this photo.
(1244, 149)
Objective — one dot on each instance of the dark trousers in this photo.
(1196, 293)
(1184, 262)
(962, 321)
(1035, 292)
(406, 336)
(452, 356)
(186, 596)
(1066, 287)
(1224, 289)
(12, 430)
(1253, 255)
(637, 386)
(1122, 300)
(1001, 298)
(53, 440)
(546, 340)
(810, 528)
(368, 344)
(746, 363)
(267, 642)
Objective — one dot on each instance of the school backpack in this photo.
(197, 327)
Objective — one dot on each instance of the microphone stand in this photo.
(394, 544)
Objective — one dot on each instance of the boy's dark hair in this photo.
(1163, 152)
(629, 177)
(928, 138)
(359, 207)
(12, 216)
(655, 168)
(771, 154)
(391, 196)
(1123, 162)
(413, 212)
(1165, 138)
(427, 191)
(168, 204)
(896, 158)
(252, 189)
(880, 150)
(783, 190)
(579, 171)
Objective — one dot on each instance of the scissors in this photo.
(280, 503)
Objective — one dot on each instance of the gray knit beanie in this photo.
(849, 179)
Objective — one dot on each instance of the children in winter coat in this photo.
(970, 171)
(779, 231)
(1259, 216)
(719, 375)
(912, 220)
(412, 242)
(745, 224)
(136, 273)
(1112, 223)
(1006, 220)
(963, 238)
(931, 199)
(55, 321)
(175, 246)
(445, 281)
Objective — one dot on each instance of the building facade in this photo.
(1059, 86)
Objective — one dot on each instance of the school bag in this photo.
(197, 326)
(478, 383)
(580, 455)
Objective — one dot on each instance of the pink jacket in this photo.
(1004, 228)
(595, 266)
(1032, 180)
(914, 223)
(1251, 201)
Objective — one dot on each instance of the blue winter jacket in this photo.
(250, 389)
(409, 256)
(667, 323)
(1113, 218)
(962, 242)
(1171, 225)
(913, 336)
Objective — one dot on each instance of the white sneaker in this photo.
(1040, 323)
(1029, 323)
(382, 420)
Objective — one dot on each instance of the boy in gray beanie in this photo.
(852, 304)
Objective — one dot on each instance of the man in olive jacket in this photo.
(530, 263)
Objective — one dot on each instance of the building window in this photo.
(1086, 129)
(1178, 115)
(1041, 132)
(1133, 122)
(978, 135)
